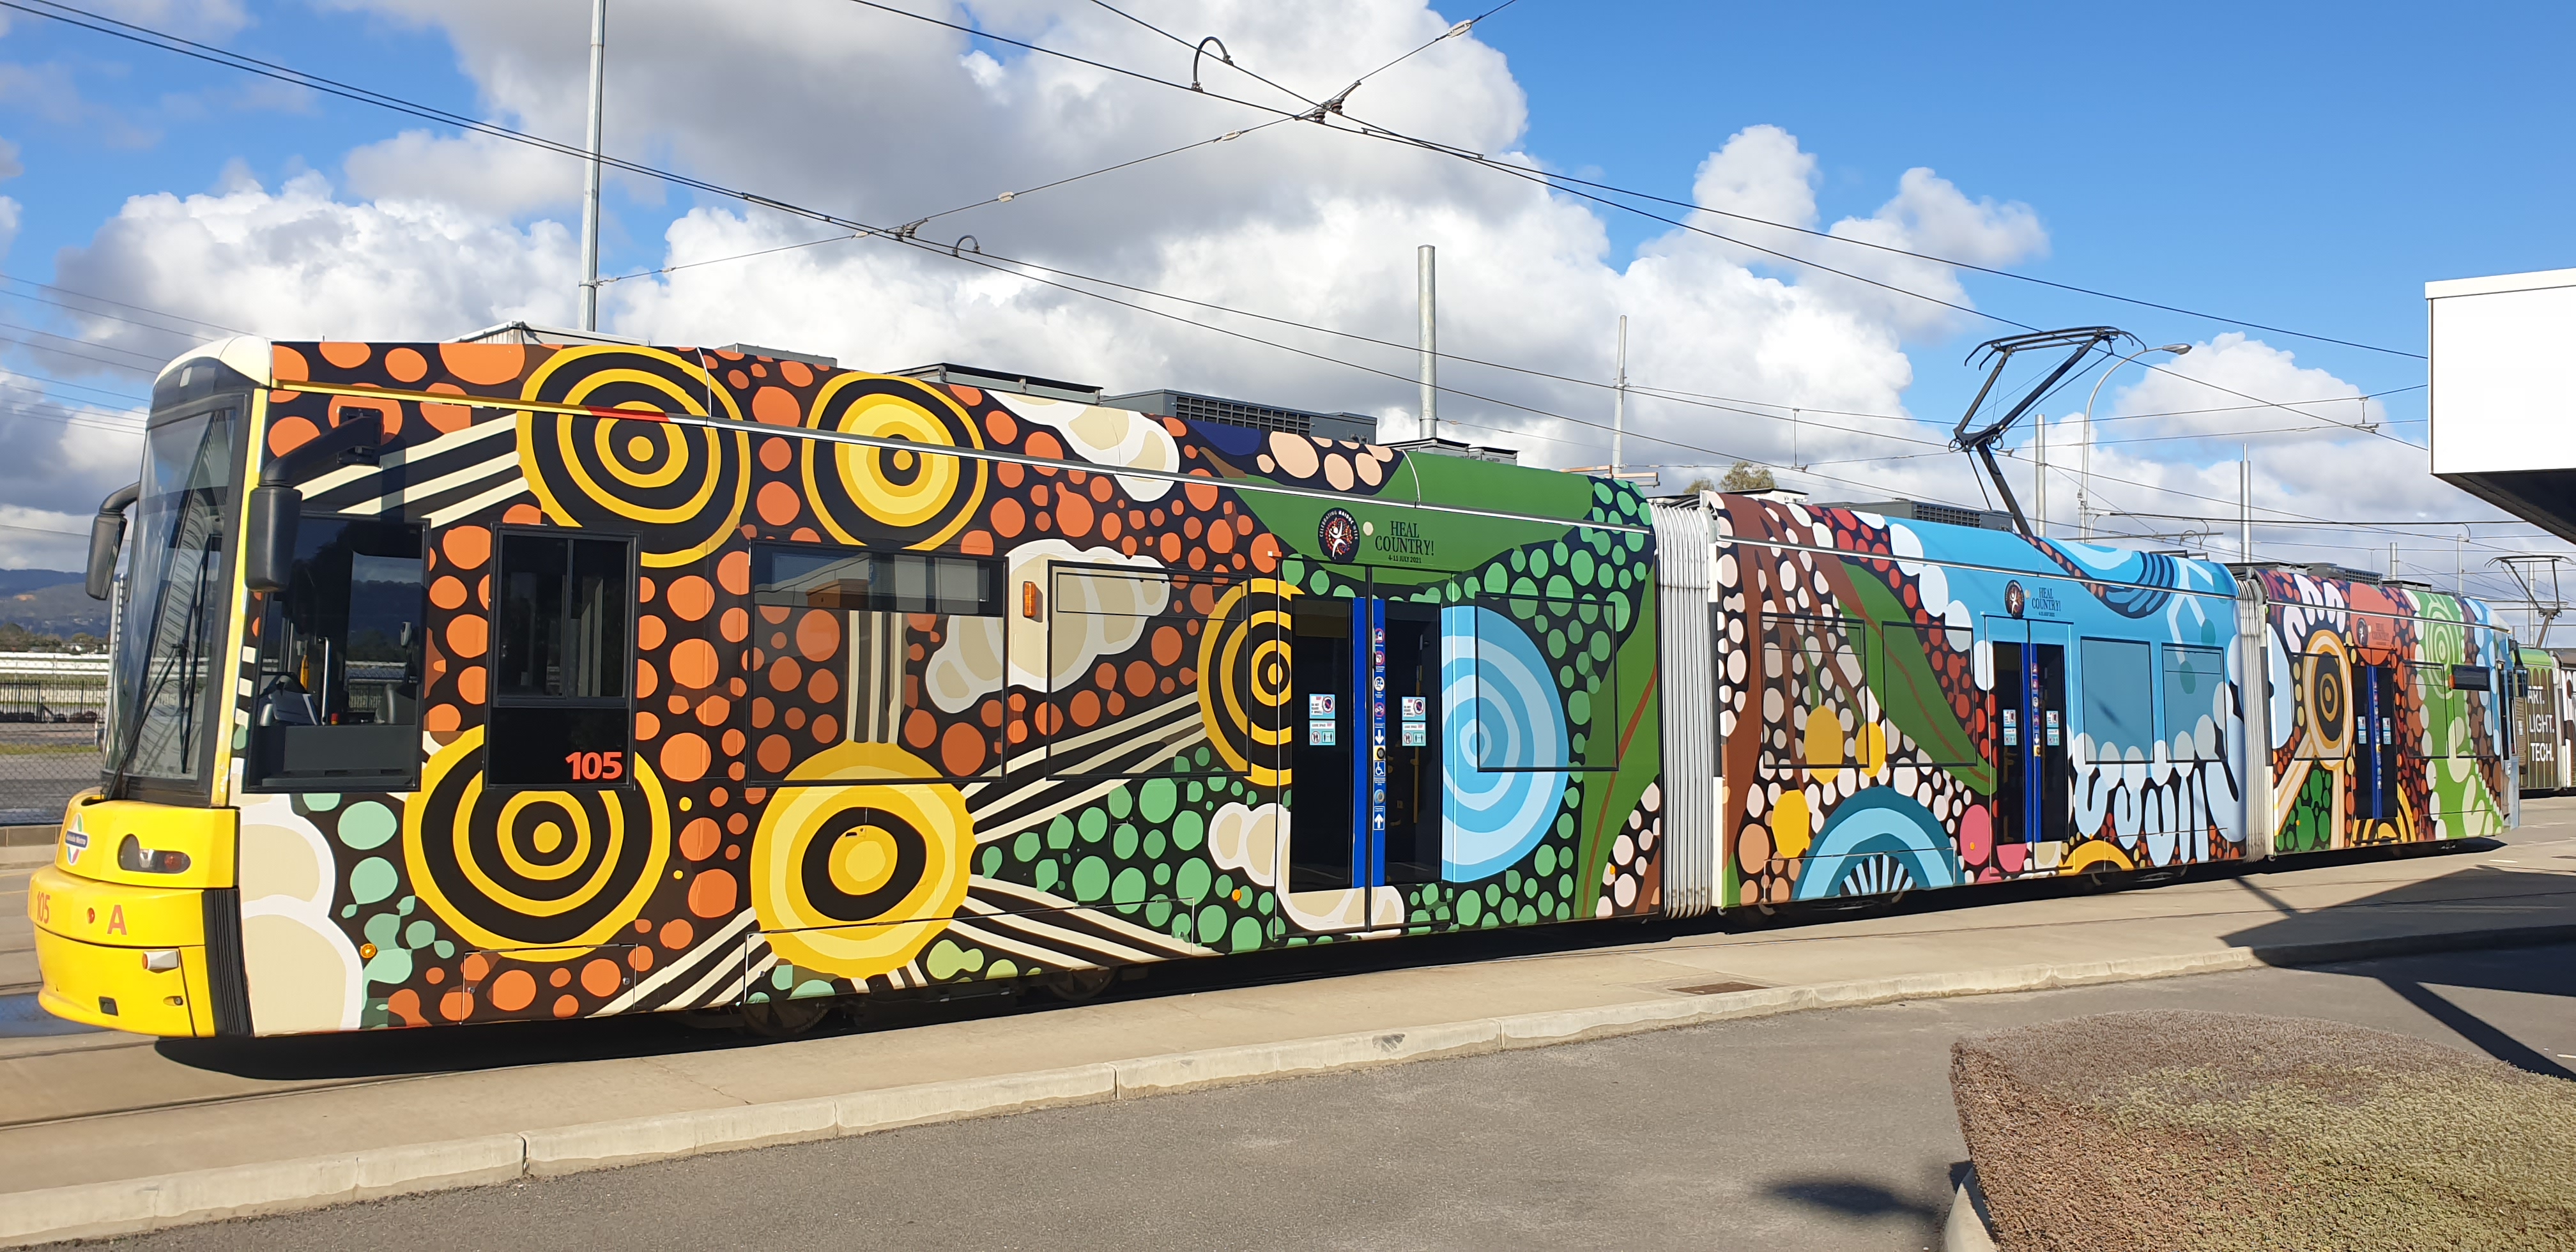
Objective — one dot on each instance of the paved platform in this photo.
(92, 1108)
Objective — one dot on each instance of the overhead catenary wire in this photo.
(364, 95)
(148, 36)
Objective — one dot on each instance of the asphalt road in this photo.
(1823, 1130)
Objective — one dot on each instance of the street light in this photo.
(2084, 474)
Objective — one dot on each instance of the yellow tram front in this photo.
(137, 921)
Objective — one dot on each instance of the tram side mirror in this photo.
(268, 543)
(106, 536)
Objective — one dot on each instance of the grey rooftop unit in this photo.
(1191, 407)
(523, 333)
(782, 354)
(1004, 380)
(1926, 511)
(1453, 447)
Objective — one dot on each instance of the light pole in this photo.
(2084, 474)
(590, 184)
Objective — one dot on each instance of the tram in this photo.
(478, 681)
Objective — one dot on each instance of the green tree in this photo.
(1745, 476)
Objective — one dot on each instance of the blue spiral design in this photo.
(1502, 722)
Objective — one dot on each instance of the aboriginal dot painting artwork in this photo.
(737, 678)
(2385, 714)
(1905, 706)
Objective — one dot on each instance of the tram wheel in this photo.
(1074, 986)
(785, 1019)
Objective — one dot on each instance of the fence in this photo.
(52, 706)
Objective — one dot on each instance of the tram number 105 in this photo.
(596, 766)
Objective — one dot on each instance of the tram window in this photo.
(563, 618)
(2119, 686)
(1561, 639)
(2195, 701)
(2445, 734)
(340, 650)
(888, 644)
(1097, 620)
(876, 582)
(1820, 667)
(1908, 670)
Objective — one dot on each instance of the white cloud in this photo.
(884, 120)
(65, 455)
(196, 19)
(299, 263)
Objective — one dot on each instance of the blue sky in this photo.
(2308, 166)
(2305, 166)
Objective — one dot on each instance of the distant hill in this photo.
(50, 602)
(16, 580)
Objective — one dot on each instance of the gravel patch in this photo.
(2181, 1130)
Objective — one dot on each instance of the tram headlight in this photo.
(134, 858)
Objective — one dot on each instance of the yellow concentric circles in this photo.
(702, 519)
(457, 768)
(518, 861)
(946, 492)
(1230, 726)
(675, 459)
(894, 789)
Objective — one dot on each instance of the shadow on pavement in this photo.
(401, 1053)
(2505, 899)
(1853, 1200)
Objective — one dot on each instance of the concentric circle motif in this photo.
(854, 881)
(892, 495)
(1247, 679)
(560, 871)
(1503, 739)
(681, 489)
(2325, 694)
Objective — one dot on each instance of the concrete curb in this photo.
(93, 1210)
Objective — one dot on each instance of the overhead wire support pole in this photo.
(590, 187)
(1619, 403)
(2245, 501)
(1427, 279)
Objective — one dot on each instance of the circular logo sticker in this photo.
(2015, 599)
(1339, 532)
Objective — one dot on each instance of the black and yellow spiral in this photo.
(679, 488)
(2325, 694)
(1247, 679)
(892, 496)
(854, 881)
(557, 871)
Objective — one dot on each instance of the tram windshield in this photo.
(179, 592)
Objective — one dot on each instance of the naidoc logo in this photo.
(2015, 599)
(1339, 532)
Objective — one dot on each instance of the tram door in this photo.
(1413, 785)
(2033, 787)
(1323, 751)
(1364, 807)
(2377, 741)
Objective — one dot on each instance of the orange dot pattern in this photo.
(730, 695)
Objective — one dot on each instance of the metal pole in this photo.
(1428, 257)
(590, 191)
(2245, 501)
(2084, 472)
(2039, 475)
(1619, 402)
